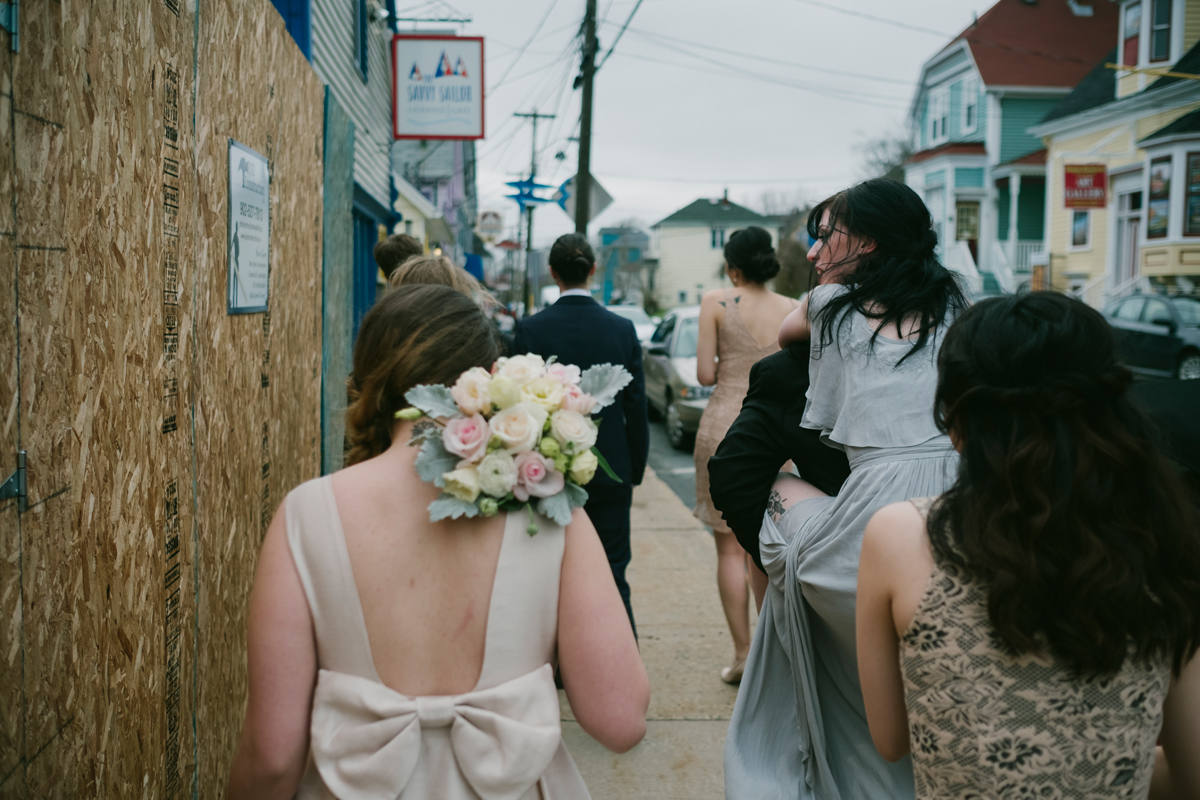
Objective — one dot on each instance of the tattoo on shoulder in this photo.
(420, 430)
(775, 505)
(721, 303)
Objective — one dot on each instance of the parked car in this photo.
(669, 361)
(1158, 335)
(642, 323)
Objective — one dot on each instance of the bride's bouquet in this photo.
(519, 436)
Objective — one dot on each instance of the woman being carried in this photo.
(390, 655)
(799, 729)
(1040, 619)
(733, 324)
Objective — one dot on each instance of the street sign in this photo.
(489, 225)
(565, 197)
(1085, 185)
(437, 86)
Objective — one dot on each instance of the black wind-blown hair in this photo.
(1065, 509)
(572, 258)
(751, 251)
(901, 279)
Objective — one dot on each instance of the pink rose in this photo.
(575, 400)
(467, 438)
(567, 374)
(536, 477)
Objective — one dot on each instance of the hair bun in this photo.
(751, 251)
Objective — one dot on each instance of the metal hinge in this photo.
(9, 12)
(17, 484)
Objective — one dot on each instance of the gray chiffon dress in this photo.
(799, 729)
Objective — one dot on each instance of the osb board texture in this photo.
(90, 186)
(338, 279)
(253, 442)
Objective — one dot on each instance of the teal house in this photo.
(980, 171)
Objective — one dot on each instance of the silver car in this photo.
(669, 362)
(642, 322)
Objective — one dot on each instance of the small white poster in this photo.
(438, 86)
(249, 230)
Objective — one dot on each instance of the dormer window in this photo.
(1160, 30)
(939, 111)
(970, 105)
(1131, 29)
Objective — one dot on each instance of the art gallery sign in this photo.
(1085, 185)
(437, 83)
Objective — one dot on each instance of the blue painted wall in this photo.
(297, 15)
(1017, 115)
(1031, 210)
(968, 177)
(337, 281)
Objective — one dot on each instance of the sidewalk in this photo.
(684, 643)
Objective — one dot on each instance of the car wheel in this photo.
(676, 435)
(1189, 366)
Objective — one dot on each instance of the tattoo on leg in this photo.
(775, 505)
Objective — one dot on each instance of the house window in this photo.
(939, 109)
(1159, 207)
(1191, 208)
(1081, 230)
(718, 238)
(1132, 28)
(360, 38)
(1160, 31)
(683, 295)
(970, 105)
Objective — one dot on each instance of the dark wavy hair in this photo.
(901, 279)
(572, 258)
(1065, 508)
(751, 251)
(417, 334)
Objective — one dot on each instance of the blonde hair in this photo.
(437, 270)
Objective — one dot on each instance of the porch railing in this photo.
(1019, 261)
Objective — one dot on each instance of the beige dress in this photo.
(984, 724)
(500, 741)
(737, 352)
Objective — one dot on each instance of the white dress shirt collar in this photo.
(576, 293)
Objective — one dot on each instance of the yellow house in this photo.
(1136, 134)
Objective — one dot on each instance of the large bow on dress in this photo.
(366, 738)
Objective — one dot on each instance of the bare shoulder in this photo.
(897, 531)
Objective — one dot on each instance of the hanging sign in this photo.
(1085, 186)
(565, 197)
(437, 83)
(249, 230)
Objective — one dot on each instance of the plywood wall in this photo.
(161, 431)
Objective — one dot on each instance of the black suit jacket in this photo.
(582, 332)
(765, 435)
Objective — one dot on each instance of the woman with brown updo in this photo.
(394, 656)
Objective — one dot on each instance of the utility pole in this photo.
(535, 116)
(583, 181)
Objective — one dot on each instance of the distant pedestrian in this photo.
(437, 270)
(738, 327)
(1032, 631)
(394, 251)
(579, 331)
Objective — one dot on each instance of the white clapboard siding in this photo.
(368, 104)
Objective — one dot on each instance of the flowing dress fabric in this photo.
(500, 740)
(737, 352)
(799, 729)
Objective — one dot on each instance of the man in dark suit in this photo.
(580, 331)
(762, 439)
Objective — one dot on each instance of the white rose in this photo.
(519, 427)
(571, 427)
(471, 392)
(583, 467)
(497, 474)
(462, 483)
(504, 392)
(543, 392)
(521, 369)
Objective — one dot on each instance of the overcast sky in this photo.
(700, 96)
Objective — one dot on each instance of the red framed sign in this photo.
(1085, 185)
(437, 87)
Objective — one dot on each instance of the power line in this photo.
(885, 20)
(620, 33)
(528, 42)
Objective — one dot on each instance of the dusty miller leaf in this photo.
(556, 507)
(447, 506)
(436, 401)
(577, 496)
(603, 382)
(434, 461)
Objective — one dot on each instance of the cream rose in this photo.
(519, 427)
(504, 393)
(571, 427)
(583, 467)
(497, 474)
(467, 438)
(575, 399)
(471, 391)
(563, 373)
(462, 483)
(521, 369)
(543, 392)
(536, 477)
